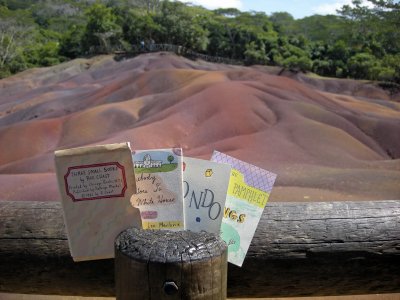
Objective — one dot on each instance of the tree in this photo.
(183, 25)
(361, 65)
(10, 36)
(228, 12)
(326, 29)
(331, 60)
(255, 54)
(296, 63)
(241, 35)
(71, 44)
(283, 22)
(102, 33)
(388, 14)
(379, 23)
(15, 33)
(170, 158)
(375, 35)
(138, 26)
(55, 15)
(391, 63)
(149, 5)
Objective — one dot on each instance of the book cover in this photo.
(159, 193)
(96, 184)
(248, 192)
(205, 184)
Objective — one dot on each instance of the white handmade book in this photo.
(96, 184)
(159, 193)
(204, 188)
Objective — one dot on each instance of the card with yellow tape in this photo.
(159, 194)
(248, 192)
(204, 189)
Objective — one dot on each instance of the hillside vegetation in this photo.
(360, 43)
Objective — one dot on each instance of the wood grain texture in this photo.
(299, 249)
(154, 264)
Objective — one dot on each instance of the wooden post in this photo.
(154, 264)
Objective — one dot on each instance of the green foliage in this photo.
(56, 15)
(296, 63)
(361, 65)
(182, 25)
(149, 6)
(219, 42)
(385, 74)
(392, 62)
(328, 28)
(138, 26)
(255, 54)
(241, 35)
(16, 29)
(339, 51)
(4, 72)
(18, 4)
(102, 31)
(378, 26)
(330, 60)
(362, 42)
(283, 23)
(71, 42)
(48, 54)
(228, 12)
(164, 168)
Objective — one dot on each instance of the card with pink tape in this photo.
(95, 185)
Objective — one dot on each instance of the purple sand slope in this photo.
(327, 139)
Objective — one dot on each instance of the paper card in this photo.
(205, 184)
(248, 192)
(159, 188)
(96, 184)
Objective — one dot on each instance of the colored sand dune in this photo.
(327, 139)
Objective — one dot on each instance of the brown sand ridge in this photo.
(327, 139)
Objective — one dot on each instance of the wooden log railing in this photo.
(299, 249)
(179, 50)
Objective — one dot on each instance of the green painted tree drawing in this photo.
(170, 158)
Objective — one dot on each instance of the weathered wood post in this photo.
(154, 264)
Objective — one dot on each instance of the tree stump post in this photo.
(155, 264)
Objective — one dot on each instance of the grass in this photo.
(163, 168)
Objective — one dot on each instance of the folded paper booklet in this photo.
(159, 193)
(248, 192)
(96, 184)
(204, 188)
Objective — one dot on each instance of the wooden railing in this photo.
(179, 50)
(299, 249)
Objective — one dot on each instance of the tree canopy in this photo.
(360, 42)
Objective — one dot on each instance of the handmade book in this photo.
(248, 192)
(96, 184)
(159, 194)
(205, 184)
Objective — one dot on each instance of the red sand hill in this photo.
(326, 139)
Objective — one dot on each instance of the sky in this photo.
(297, 8)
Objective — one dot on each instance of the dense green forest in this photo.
(360, 42)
